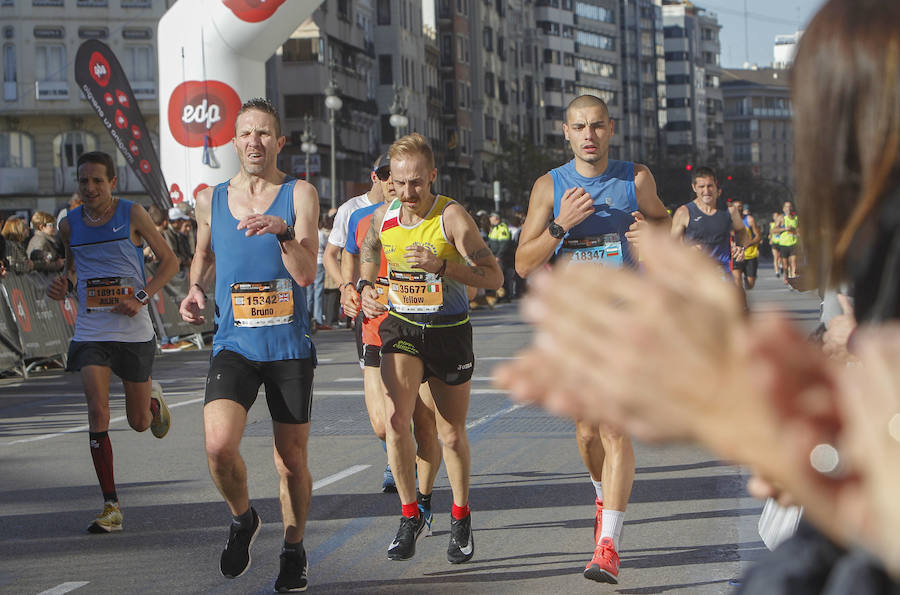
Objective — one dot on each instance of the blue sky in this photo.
(766, 19)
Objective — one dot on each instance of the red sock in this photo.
(410, 510)
(101, 452)
(460, 512)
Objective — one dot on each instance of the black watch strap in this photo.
(363, 283)
(287, 236)
(556, 230)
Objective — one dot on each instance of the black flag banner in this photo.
(104, 84)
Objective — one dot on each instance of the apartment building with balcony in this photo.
(758, 128)
(45, 123)
(336, 43)
(695, 112)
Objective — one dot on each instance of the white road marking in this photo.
(492, 416)
(339, 476)
(492, 358)
(85, 427)
(64, 588)
(353, 393)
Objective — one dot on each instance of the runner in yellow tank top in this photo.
(434, 250)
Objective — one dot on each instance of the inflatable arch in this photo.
(212, 56)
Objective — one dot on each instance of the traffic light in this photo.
(688, 167)
(729, 178)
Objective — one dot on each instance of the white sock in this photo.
(598, 489)
(612, 525)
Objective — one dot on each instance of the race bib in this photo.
(266, 303)
(605, 249)
(411, 291)
(105, 293)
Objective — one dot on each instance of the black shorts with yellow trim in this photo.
(442, 342)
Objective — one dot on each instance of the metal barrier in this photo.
(36, 329)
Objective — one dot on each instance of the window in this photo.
(449, 99)
(487, 36)
(674, 32)
(501, 7)
(596, 13)
(490, 126)
(678, 102)
(50, 63)
(386, 69)
(501, 47)
(446, 50)
(568, 31)
(548, 28)
(88, 3)
(551, 56)
(301, 50)
(595, 67)
(677, 57)
(595, 40)
(384, 12)
(462, 49)
(501, 92)
(489, 84)
(138, 63)
(610, 97)
(343, 10)
(67, 148)
(553, 85)
(678, 79)
(16, 150)
(10, 73)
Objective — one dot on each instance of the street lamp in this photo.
(333, 103)
(308, 141)
(398, 113)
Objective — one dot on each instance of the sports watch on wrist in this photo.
(287, 236)
(362, 283)
(142, 296)
(556, 230)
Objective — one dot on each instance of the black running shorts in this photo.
(288, 384)
(751, 267)
(786, 251)
(129, 361)
(446, 351)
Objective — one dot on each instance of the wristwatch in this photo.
(362, 283)
(286, 236)
(142, 296)
(556, 230)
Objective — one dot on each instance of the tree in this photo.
(521, 162)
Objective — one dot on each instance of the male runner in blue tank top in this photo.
(103, 239)
(592, 208)
(257, 237)
(707, 222)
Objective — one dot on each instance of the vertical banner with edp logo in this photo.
(103, 82)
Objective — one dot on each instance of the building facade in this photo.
(46, 123)
(695, 116)
(758, 129)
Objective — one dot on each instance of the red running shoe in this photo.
(598, 520)
(604, 566)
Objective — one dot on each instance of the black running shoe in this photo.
(404, 545)
(292, 577)
(462, 541)
(235, 558)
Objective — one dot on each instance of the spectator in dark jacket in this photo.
(15, 232)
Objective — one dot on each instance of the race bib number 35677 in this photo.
(265, 303)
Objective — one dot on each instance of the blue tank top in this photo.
(260, 309)
(600, 237)
(108, 265)
(713, 232)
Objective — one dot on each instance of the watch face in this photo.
(557, 231)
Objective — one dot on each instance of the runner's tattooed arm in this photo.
(370, 261)
(481, 268)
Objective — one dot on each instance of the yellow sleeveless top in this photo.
(430, 233)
